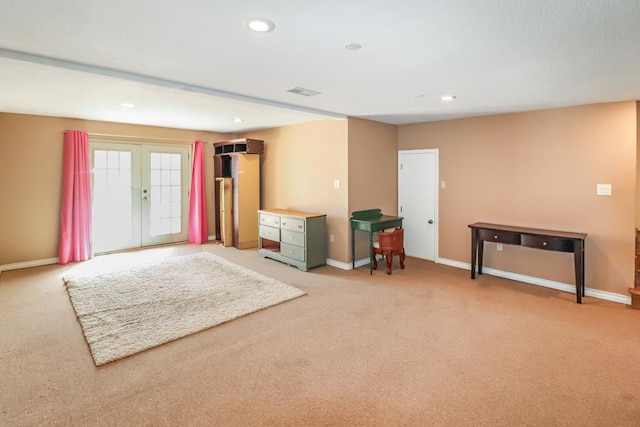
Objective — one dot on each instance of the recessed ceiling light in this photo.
(447, 98)
(418, 95)
(127, 105)
(238, 119)
(353, 46)
(260, 25)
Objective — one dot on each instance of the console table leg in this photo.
(474, 251)
(578, 257)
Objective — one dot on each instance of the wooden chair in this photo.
(390, 243)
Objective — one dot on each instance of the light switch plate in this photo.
(603, 189)
(336, 183)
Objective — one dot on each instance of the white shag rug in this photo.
(129, 309)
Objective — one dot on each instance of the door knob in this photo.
(430, 221)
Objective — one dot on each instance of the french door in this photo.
(140, 195)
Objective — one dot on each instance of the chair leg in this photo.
(389, 256)
(375, 262)
(402, 257)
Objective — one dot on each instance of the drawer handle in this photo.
(299, 225)
(544, 243)
(495, 237)
(284, 223)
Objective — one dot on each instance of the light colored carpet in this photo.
(128, 309)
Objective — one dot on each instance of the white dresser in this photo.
(295, 238)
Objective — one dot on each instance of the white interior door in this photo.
(418, 201)
(140, 195)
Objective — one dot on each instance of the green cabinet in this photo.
(293, 237)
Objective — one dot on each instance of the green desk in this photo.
(371, 220)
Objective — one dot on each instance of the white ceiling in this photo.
(193, 64)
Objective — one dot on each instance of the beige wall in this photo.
(31, 173)
(536, 169)
(373, 173)
(540, 169)
(299, 165)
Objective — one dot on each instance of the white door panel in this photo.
(165, 194)
(418, 201)
(116, 196)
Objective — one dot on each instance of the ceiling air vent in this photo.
(304, 92)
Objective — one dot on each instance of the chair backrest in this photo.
(391, 240)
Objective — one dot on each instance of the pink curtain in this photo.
(198, 232)
(75, 212)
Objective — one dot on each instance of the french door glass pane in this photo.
(112, 198)
(165, 179)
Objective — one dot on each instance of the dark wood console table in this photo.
(370, 220)
(560, 241)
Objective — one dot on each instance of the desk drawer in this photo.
(500, 237)
(548, 243)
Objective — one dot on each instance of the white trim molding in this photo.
(27, 264)
(604, 295)
(565, 287)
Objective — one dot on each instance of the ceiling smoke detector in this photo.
(304, 92)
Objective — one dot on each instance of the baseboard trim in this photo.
(565, 287)
(27, 264)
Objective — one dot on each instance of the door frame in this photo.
(436, 194)
(140, 147)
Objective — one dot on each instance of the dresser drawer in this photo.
(270, 233)
(292, 237)
(269, 220)
(548, 243)
(500, 237)
(293, 252)
(293, 224)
